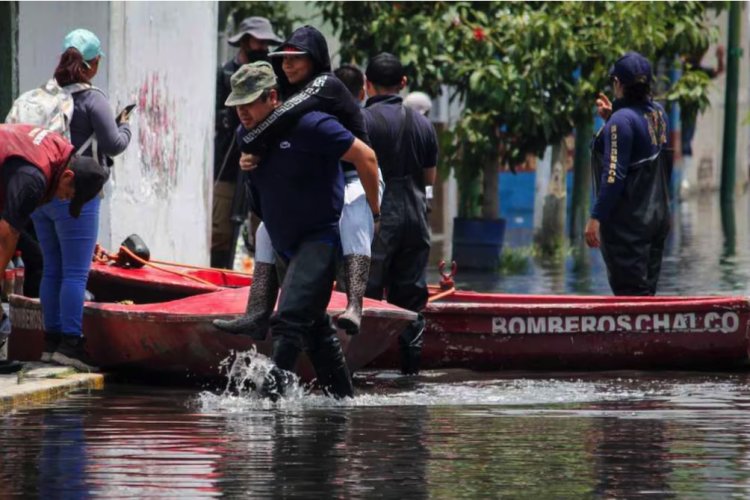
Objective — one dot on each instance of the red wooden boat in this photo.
(490, 331)
(165, 325)
(552, 332)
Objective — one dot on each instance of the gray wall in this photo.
(161, 55)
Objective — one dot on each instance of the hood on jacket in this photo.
(311, 41)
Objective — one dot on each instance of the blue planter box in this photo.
(477, 243)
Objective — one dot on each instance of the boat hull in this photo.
(177, 338)
(501, 332)
(490, 331)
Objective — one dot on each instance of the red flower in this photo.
(479, 34)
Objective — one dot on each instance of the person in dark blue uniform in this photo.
(630, 217)
(298, 192)
(406, 145)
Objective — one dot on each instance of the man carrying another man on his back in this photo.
(298, 192)
(37, 165)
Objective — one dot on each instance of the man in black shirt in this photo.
(406, 145)
(253, 39)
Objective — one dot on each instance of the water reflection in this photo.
(707, 252)
(452, 435)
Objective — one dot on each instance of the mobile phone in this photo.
(125, 113)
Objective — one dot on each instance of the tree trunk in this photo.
(579, 210)
(490, 193)
(549, 234)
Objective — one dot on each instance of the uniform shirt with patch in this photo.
(298, 187)
(632, 135)
(24, 187)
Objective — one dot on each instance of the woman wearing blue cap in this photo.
(68, 243)
(630, 218)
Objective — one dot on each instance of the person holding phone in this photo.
(67, 242)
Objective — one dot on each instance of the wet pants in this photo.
(302, 321)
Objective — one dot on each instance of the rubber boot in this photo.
(260, 305)
(330, 367)
(410, 346)
(357, 270)
(278, 379)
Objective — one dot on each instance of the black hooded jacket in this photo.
(322, 92)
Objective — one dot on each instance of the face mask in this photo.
(256, 55)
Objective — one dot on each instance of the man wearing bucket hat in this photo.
(36, 167)
(630, 217)
(298, 191)
(253, 39)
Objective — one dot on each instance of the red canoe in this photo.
(490, 331)
(164, 334)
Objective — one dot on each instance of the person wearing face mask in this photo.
(253, 39)
(630, 217)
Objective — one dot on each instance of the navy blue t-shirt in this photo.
(298, 186)
(632, 136)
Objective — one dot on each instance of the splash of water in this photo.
(248, 374)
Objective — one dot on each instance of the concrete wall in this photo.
(161, 55)
(42, 26)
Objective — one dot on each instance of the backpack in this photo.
(49, 106)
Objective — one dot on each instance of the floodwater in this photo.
(448, 434)
(698, 258)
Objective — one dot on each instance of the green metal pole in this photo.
(729, 149)
(8, 56)
(581, 179)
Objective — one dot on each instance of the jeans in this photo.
(67, 250)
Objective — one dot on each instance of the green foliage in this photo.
(532, 69)
(276, 12)
(516, 260)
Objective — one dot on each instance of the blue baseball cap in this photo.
(85, 42)
(632, 68)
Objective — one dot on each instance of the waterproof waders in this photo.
(302, 322)
(399, 260)
(632, 238)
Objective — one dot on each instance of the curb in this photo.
(29, 390)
